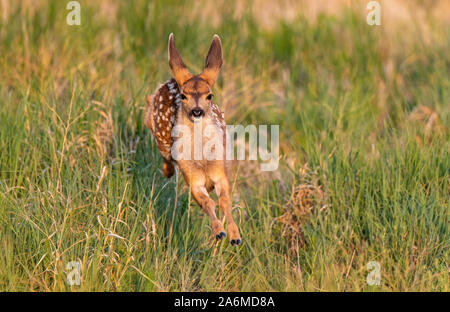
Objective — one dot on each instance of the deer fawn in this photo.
(186, 100)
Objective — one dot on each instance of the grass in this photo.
(364, 174)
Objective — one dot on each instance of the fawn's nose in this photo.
(197, 112)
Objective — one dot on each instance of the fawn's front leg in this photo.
(208, 205)
(197, 181)
(222, 186)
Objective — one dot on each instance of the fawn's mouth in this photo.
(197, 113)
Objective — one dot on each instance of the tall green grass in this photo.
(364, 174)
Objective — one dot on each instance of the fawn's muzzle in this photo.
(197, 112)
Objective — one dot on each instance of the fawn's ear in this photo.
(213, 62)
(179, 69)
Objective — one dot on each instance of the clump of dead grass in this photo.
(428, 120)
(307, 196)
(103, 136)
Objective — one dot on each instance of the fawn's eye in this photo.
(183, 97)
(209, 97)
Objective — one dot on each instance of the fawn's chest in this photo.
(199, 140)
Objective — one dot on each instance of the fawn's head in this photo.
(195, 90)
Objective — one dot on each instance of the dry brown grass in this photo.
(306, 198)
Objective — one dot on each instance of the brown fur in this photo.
(166, 108)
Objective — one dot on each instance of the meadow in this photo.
(364, 173)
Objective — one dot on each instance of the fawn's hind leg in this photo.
(168, 169)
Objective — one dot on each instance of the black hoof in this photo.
(221, 235)
(236, 242)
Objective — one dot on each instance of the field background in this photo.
(364, 172)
